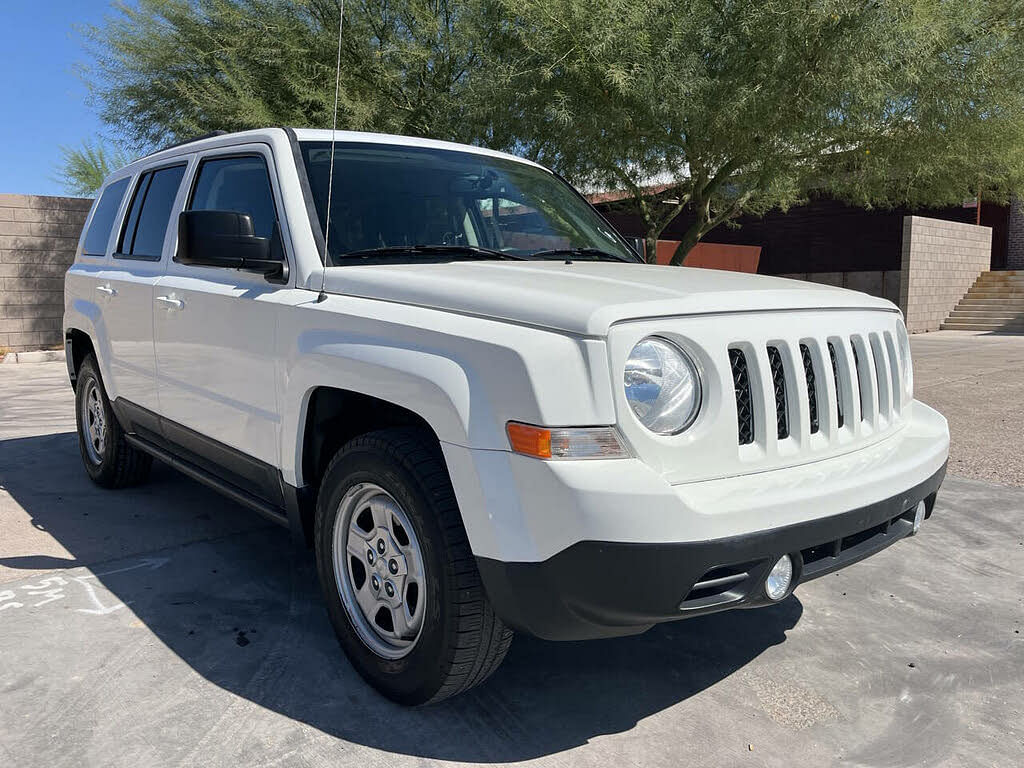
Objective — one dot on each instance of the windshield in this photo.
(396, 203)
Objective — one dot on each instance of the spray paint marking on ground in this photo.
(79, 590)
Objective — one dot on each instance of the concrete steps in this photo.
(1004, 274)
(996, 293)
(995, 303)
(988, 309)
(972, 299)
(971, 325)
(984, 317)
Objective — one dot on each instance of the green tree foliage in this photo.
(737, 106)
(83, 169)
(171, 69)
(719, 107)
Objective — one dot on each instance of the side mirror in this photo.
(225, 239)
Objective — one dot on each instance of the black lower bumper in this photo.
(605, 589)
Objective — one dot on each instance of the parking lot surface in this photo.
(165, 625)
(977, 381)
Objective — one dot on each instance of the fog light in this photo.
(778, 581)
(918, 517)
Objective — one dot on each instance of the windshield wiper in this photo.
(594, 254)
(470, 251)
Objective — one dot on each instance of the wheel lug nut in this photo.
(393, 565)
(370, 557)
(389, 589)
(375, 583)
(381, 546)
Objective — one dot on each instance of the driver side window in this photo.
(240, 184)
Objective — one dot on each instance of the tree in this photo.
(717, 107)
(167, 70)
(83, 169)
(726, 107)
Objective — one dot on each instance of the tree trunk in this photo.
(705, 223)
(651, 246)
(690, 239)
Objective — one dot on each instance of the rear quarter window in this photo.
(102, 223)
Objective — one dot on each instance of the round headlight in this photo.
(662, 386)
(906, 366)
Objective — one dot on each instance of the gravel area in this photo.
(976, 380)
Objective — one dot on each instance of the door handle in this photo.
(170, 302)
(106, 289)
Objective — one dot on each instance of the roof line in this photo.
(209, 135)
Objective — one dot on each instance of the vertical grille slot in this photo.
(895, 373)
(812, 391)
(835, 376)
(779, 385)
(881, 376)
(744, 404)
(858, 378)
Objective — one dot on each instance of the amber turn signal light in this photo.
(565, 442)
(530, 440)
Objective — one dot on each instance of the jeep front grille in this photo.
(857, 380)
(835, 378)
(865, 376)
(812, 387)
(779, 387)
(744, 405)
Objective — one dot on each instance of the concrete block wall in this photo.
(38, 237)
(941, 260)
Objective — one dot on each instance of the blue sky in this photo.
(43, 98)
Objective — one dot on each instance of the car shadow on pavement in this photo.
(231, 597)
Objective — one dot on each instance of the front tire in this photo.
(109, 459)
(401, 585)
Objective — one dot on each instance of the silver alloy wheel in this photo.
(94, 422)
(379, 571)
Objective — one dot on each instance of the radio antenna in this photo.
(330, 177)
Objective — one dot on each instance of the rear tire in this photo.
(109, 460)
(445, 637)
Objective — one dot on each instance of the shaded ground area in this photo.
(166, 626)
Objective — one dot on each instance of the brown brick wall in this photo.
(941, 260)
(38, 237)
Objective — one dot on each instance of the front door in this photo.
(215, 332)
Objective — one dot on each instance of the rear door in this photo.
(215, 333)
(126, 287)
(87, 285)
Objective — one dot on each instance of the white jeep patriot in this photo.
(484, 412)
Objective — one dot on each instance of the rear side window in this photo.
(240, 184)
(150, 214)
(98, 236)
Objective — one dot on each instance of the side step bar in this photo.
(198, 473)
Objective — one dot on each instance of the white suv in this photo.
(484, 413)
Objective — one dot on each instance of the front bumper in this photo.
(599, 589)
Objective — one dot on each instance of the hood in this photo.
(585, 298)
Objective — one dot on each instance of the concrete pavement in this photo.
(166, 626)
